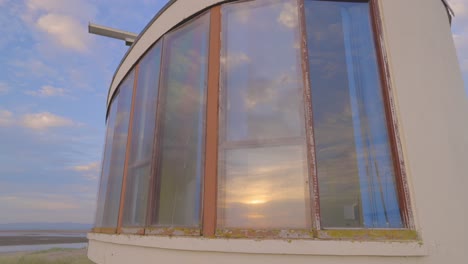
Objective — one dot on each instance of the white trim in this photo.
(276, 246)
(176, 13)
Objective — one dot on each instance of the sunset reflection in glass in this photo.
(263, 177)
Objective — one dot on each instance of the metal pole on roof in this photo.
(126, 36)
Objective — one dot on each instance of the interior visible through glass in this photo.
(182, 134)
(117, 153)
(354, 160)
(263, 176)
(99, 221)
(263, 162)
(141, 148)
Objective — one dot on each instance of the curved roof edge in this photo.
(450, 11)
(171, 15)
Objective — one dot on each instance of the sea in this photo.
(24, 235)
(8, 249)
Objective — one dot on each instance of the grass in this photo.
(51, 256)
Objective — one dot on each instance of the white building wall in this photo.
(433, 114)
(432, 109)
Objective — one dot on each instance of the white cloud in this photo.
(76, 8)
(243, 16)
(460, 7)
(235, 59)
(61, 22)
(288, 15)
(461, 42)
(39, 204)
(35, 121)
(90, 170)
(47, 91)
(45, 120)
(34, 67)
(94, 166)
(460, 34)
(4, 88)
(47, 202)
(6, 118)
(65, 30)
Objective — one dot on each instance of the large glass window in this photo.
(354, 159)
(141, 148)
(106, 162)
(263, 177)
(113, 171)
(301, 138)
(182, 125)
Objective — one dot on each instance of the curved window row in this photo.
(264, 115)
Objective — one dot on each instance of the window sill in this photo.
(383, 235)
(268, 246)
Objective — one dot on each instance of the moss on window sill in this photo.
(369, 234)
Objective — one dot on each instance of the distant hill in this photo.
(45, 226)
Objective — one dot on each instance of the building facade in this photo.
(301, 131)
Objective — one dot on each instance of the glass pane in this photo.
(354, 160)
(141, 149)
(261, 71)
(106, 162)
(183, 125)
(262, 158)
(264, 188)
(117, 159)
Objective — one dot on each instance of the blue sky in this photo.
(53, 88)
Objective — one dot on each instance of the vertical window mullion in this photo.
(181, 117)
(152, 203)
(211, 147)
(127, 152)
(392, 122)
(106, 159)
(313, 179)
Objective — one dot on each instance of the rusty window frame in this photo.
(115, 229)
(391, 115)
(140, 230)
(224, 144)
(407, 232)
(154, 192)
(127, 151)
(210, 181)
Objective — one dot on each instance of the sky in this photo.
(53, 87)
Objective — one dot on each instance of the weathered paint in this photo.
(127, 152)
(261, 234)
(313, 174)
(392, 120)
(172, 231)
(431, 106)
(104, 230)
(211, 137)
(154, 176)
(132, 230)
(144, 249)
(369, 235)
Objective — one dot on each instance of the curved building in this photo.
(297, 131)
